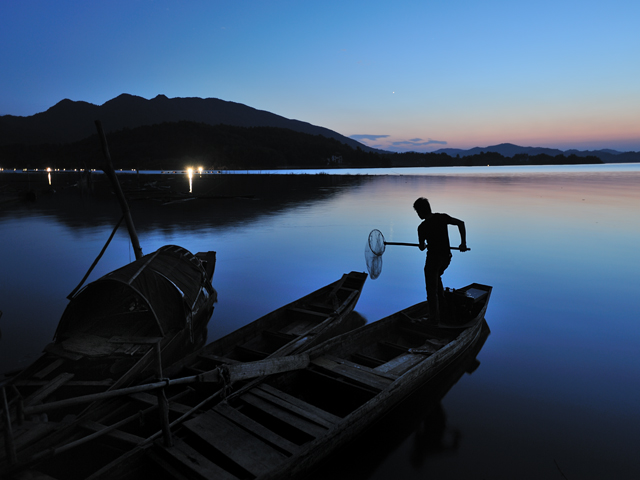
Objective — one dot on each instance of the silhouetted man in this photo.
(434, 236)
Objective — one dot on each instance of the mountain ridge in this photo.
(511, 150)
(69, 121)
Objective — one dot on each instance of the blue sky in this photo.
(401, 75)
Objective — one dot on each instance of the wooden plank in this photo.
(286, 416)
(267, 366)
(400, 364)
(296, 405)
(299, 327)
(117, 434)
(394, 346)
(71, 383)
(218, 359)
(357, 373)
(312, 313)
(49, 368)
(56, 349)
(237, 444)
(152, 400)
(194, 461)
(344, 361)
(91, 345)
(159, 459)
(223, 408)
(135, 340)
(279, 335)
(49, 388)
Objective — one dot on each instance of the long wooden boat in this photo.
(284, 425)
(121, 425)
(116, 331)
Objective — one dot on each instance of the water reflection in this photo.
(559, 248)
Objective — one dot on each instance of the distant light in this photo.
(200, 170)
(190, 174)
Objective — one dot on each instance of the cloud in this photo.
(418, 142)
(368, 137)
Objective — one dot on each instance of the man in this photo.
(434, 236)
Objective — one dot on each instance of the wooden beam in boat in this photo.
(300, 423)
(296, 405)
(49, 388)
(400, 364)
(120, 435)
(256, 428)
(152, 400)
(357, 373)
(240, 446)
(49, 368)
(195, 462)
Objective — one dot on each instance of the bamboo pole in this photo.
(9, 443)
(163, 403)
(111, 174)
(236, 372)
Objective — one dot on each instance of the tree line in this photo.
(173, 146)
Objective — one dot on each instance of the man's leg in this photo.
(432, 281)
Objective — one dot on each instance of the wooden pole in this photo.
(10, 446)
(163, 403)
(111, 174)
(236, 372)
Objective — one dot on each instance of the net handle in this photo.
(416, 245)
(377, 243)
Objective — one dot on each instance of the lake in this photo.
(557, 394)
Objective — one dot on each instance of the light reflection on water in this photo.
(560, 250)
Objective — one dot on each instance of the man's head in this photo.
(422, 207)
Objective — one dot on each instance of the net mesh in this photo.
(376, 242)
(373, 261)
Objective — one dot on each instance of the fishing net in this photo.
(376, 242)
(373, 261)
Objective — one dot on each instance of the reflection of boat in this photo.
(111, 335)
(289, 329)
(284, 425)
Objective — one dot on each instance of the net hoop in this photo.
(376, 242)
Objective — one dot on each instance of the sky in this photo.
(396, 75)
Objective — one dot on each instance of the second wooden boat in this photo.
(120, 429)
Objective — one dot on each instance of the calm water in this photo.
(558, 390)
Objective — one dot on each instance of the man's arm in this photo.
(422, 240)
(463, 233)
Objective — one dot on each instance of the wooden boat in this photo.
(116, 331)
(120, 425)
(284, 425)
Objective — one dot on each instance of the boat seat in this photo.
(357, 373)
(259, 430)
(302, 421)
(240, 446)
(400, 364)
(366, 360)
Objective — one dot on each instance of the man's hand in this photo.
(463, 247)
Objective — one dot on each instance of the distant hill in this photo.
(510, 150)
(70, 121)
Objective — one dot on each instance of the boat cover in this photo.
(148, 297)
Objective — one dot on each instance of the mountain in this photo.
(511, 150)
(69, 121)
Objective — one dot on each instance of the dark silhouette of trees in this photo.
(178, 145)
